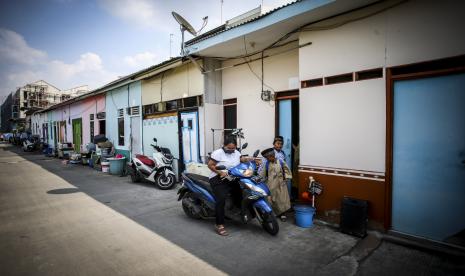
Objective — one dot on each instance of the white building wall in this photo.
(37, 119)
(256, 117)
(343, 125)
(180, 82)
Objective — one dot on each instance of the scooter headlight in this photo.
(247, 172)
(256, 189)
(167, 160)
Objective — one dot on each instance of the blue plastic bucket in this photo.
(304, 215)
(117, 165)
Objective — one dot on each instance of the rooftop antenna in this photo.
(185, 26)
(171, 44)
(221, 12)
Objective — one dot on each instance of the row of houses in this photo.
(371, 93)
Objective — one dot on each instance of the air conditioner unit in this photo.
(133, 111)
(161, 107)
(101, 115)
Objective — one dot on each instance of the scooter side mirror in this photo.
(244, 145)
(255, 154)
(155, 140)
(220, 167)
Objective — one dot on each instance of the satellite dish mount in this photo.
(185, 26)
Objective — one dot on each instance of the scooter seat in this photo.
(200, 180)
(145, 160)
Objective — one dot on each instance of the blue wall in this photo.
(121, 97)
(429, 148)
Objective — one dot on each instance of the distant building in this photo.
(6, 112)
(33, 97)
(76, 91)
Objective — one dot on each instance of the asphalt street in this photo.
(64, 219)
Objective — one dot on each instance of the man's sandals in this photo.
(221, 230)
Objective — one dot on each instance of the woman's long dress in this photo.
(280, 199)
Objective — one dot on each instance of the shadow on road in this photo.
(63, 191)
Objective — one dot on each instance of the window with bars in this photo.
(172, 105)
(92, 130)
(101, 126)
(121, 131)
(229, 115)
(150, 109)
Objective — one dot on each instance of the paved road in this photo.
(108, 225)
(43, 233)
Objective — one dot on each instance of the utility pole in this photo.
(221, 13)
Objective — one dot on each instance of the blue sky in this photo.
(74, 42)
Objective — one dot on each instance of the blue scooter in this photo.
(198, 200)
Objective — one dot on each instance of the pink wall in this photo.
(86, 107)
(81, 109)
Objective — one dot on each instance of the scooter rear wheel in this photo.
(187, 210)
(135, 177)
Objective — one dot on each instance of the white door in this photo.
(190, 134)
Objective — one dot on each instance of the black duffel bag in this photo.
(100, 138)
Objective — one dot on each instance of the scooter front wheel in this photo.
(164, 182)
(270, 223)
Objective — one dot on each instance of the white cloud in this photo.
(142, 12)
(88, 69)
(22, 64)
(14, 48)
(142, 60)
(87, 62)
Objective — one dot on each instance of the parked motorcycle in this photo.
(31, 144)
(157, 169)
(198, 200)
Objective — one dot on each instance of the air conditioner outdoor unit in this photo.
(161, 106)
(133, 111)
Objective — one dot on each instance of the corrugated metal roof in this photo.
(102, 89)
(206, 35)
(223, 28)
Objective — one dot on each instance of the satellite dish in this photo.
(185, 26)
